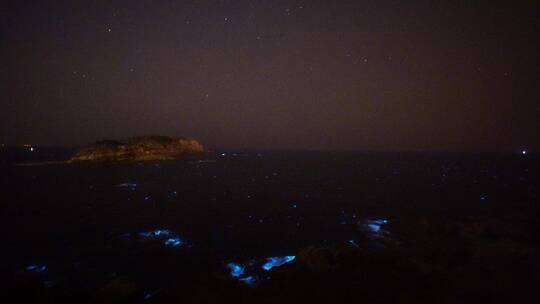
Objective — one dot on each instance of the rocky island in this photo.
(139, 149)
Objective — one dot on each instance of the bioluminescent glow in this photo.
(127, 185)
(148, 295)
(353, 243)
(248, 280)
(375, 225)
(272, 262)
(251, 272)
(169, 238)
(155, 233)
(173, 242)
(236, 270)
(36, 268)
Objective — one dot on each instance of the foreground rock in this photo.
(139, 149)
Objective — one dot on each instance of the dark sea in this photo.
(178, 230)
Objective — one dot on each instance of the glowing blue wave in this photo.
(272, 262)
(375, 225)
(236, 270)
(36, 268)
(173, 242)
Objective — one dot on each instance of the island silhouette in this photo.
(141, 148)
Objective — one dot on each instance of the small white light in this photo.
(523, 152)
(31, 149)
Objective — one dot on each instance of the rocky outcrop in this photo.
(139, 149)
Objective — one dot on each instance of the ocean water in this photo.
(73, 228)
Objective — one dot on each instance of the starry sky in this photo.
(325, 75)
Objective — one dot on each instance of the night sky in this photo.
(330, 75)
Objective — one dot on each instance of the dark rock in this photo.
(317, 259)
(118, 290)
(139, 149)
